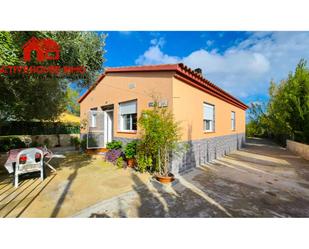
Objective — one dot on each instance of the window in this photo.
(208, 117)
(233, 121)
(128, 116)
(93, 117)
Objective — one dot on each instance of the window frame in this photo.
(122, 119)
(93, 123)
(233, 121)
(213, 121)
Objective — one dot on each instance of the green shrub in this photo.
(8, 143)
(160, 137)
(144, 163)
(114, 145)
(120, 162)
(5, 144)
(75, 141)
(130, 149)
(17, 143)
(83, 144)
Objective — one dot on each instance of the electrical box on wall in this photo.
(131, 85)
(161, 103)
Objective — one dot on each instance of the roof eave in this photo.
(91, 88)
(184, 73)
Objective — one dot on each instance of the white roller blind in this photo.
(208, 112)
(127, 107)
(233, 120)
(233, 115)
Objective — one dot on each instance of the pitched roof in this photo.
(183, 73)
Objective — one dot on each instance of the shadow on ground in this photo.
(261, 180)
(15, 201)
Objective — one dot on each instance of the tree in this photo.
(43, 97)
(287, 112)
(288, 108)
(160, 135)
(72, 101)
(258, 124)
(8, 50)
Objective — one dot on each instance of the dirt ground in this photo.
(261, 180)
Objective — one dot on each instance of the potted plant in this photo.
(160, 137)
(130, 153)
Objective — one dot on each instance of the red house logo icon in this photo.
(46, 49)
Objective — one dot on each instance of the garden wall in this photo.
(298, 148)
(64, 139)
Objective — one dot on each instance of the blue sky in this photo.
(242, 63)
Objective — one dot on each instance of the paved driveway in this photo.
(261, 180)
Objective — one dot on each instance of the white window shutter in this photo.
(208, 112)
(128, 107)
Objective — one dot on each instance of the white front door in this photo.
(108, 126)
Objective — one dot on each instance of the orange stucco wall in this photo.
(185, 101)
(114, 88)
(188, 108)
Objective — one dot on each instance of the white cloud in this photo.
(154, 55)
(244, 69)
(158, 42)
(233, 71)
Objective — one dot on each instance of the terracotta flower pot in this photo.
(165, 179)
(131, 162)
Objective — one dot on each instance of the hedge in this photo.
(38, 128)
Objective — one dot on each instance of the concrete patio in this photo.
(261, 180)
(80, 181)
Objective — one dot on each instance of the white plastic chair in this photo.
(29, 160)
(49, 156)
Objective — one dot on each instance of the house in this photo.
(46, 49)
(212, 121)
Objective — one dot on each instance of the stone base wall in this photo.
(205, 150)
(124, 140)
(201, 151)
